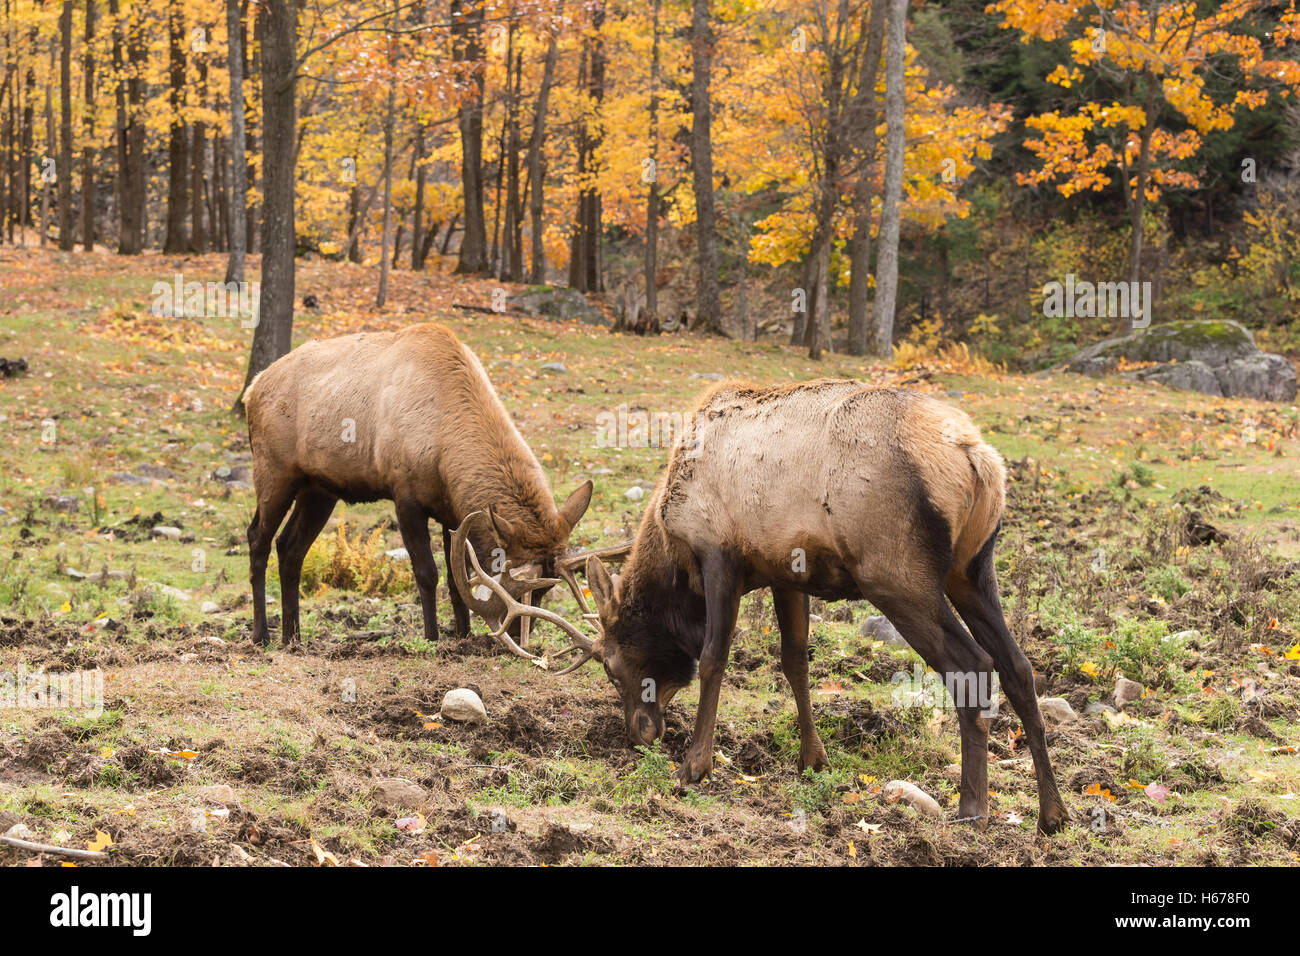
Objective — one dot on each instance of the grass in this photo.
(1097, 577)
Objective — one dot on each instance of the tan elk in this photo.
(834, 489)
(410, 417)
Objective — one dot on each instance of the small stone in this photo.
(221, 794)
(74, 573)
(239, 855)
(169, 591)
(1056, 709)
(165, 531)
(189, 658)
(399, 554)
(879, 628)
(222, 473)
(709, 376)
(126, 478)
(203, 448)
(1098, 709)
(155, 471)
(1183, 636)
(399, 792)
(635, 493)
(20, 831)
(909, 793)
(209, 607)
(64, 503)
(463, 705)
(213, 640)
(1127, 691)
(556, 368)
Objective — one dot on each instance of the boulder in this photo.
(1056, 710)
(557, 303)
(399, 792)
(463, 705)
(1215, 356)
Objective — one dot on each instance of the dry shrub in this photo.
(355, 563)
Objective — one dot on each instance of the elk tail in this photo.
(987, 498)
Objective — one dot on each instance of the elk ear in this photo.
(602, 587)
(504, 531)
(576, 506)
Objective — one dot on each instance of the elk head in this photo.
(508, 598)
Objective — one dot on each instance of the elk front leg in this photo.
(413, 522)
(722, 602)
(792, 618)
(460, 612)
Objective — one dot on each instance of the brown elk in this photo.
(410, 417)
(834, 489)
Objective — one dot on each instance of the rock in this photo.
(557, 368)
(897, 791)
(1098, 709)
(169, 591)
(165, 531)
(239, 855)
(126, 478)
(222, 473)
(878, 628)
(635, 493)
(1127, 691)
(21, 831)
(65, 503)
(1217, 357)
(557, 303)
(709, 376)
(156, 471)
(399, 554)
(75, 574)
(203, 448)
(1057, 710)
(209, 607)
(222, 794)
(399, 792)
(1184, 636)
(463, 705)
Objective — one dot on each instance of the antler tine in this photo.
(516, 609)
(578, 559)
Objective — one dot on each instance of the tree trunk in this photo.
(537, 168)
(274, 331)
(66, 238)
(513, 259)
(238, 162)
(864, 123)
(887, 262)
(50, 142)
(382, 296)
(418, 247)
(198, 164)
(178, 145)
(650, 321)
(88, 151)
(467, 47)
(709, 298)
(1138, 204)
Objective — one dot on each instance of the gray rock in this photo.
(879, 628)
(222, 794)
(399, 554)
(557, 303)
(399, 792)
(1214, 356)
(155, 471)
(901, 791)
(463, 706)
(1127, 691)
(1097, 708)
(635, 493)
(1057, 710)
(169, 591)
(209, 607)
(64, 503)
(126, 478)
(557, 368)
(709, 376)
(165, 531)
(222, 473)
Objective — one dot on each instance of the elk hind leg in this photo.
(273, 501)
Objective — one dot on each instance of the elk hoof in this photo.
(816, 761)
(694, 768)
(1053, 819)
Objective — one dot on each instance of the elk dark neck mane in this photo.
(656, 583)
(503, 473)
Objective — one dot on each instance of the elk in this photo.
(410, 417)
(827, 488)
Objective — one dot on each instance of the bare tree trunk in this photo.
(88, 151)
(887, 262)
(198, 163)
(66, 238)
(864, 122)
(537, 167)
(650, 320)
(50, 142)
(1138, 204)
(467, 47)
(178, 143)
(709, 297)
(419, 249)
(584, 264)
(382, 296)
(513, 260)
(238, 162)
(274, 332)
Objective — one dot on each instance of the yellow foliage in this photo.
(354, 564)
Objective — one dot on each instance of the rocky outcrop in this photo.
(1214, 356)
(557, 303)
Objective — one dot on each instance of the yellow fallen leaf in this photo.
(323, 856)
(102, 841)
(853, 851)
